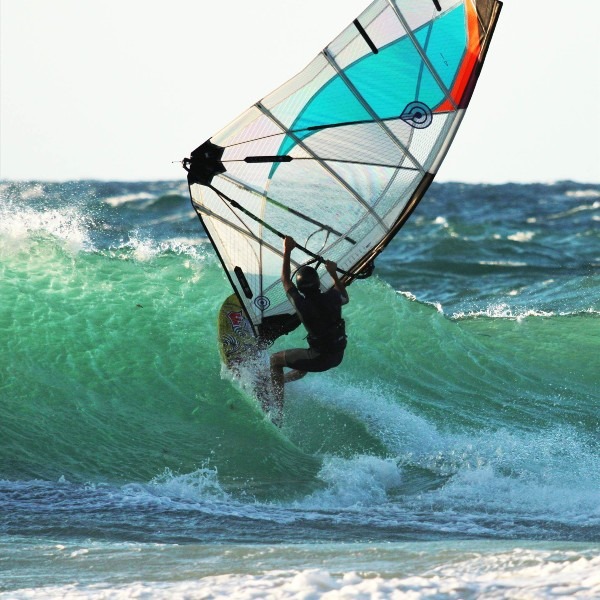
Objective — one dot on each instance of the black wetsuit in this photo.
(321, 315)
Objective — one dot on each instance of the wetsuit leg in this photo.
(309, 359)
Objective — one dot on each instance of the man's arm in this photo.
(286, 271)
(337, 284)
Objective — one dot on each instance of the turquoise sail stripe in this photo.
(445, 43)
(389, 80)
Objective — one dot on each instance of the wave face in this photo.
(467, 404)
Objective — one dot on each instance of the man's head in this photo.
(307, 280)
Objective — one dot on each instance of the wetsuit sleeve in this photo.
(295, 298)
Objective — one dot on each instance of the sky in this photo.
(125, 89)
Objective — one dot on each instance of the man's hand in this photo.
(289, 243)
(331, 267)
(337, 284)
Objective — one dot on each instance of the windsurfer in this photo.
(321, 315)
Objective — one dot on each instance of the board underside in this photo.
(242, 352)
(237, 342)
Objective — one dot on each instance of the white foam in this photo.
(200, 485)
(410, 296)
(502, 310)
(352, 483)
(67, 225)
(547, 477)
(520, 573)
(379, 409)
(521, 236)
(116, 201)
(575, 210)
(583, 194)
(502, 263)
(32, 192)
(145, 249)
(544, 479)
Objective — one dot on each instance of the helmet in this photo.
(307, 279)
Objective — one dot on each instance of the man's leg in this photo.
(293, 358)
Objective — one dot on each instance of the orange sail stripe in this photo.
(469, 61)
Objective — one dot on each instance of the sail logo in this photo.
(262, 302)
(417, 115)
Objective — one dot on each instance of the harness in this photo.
(332, 340)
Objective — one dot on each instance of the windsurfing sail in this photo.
(340, 155)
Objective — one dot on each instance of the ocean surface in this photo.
(454, 454)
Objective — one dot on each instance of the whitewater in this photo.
(453, 454)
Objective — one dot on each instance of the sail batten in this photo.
(340, 155)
